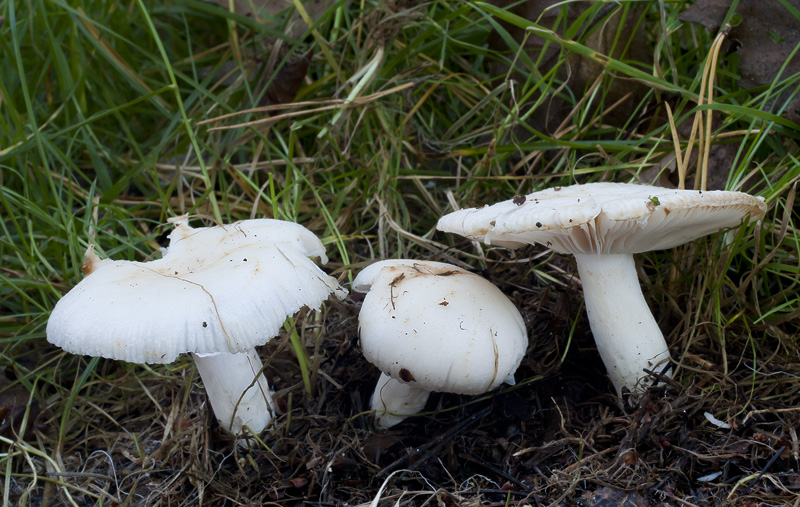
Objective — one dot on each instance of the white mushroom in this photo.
(217, 292)
(603, 225)
(393, 400)
(431, 326)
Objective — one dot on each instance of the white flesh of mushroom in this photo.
(237, 390)
(394, 400)
(627, 336)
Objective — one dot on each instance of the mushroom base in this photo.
(237, 390)
(627, 336)
(393, 401)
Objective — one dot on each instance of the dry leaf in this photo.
(287, 80)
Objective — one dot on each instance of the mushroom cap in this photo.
(222, 289)
(439, 326)
(605, 218)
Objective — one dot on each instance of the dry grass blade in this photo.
(326, 105)
(673, 129)
(712, 71)
(699, 126)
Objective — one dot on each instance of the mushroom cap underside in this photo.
(439, 326)
(605, 218)
(207, 302)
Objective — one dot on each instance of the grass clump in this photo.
(109, 125)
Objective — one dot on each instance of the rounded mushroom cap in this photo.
(439, 326)
(605, 218)
(186, 241)
(223, 289)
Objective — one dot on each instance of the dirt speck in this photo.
(406, 375)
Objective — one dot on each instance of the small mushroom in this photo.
(431, 326)
(603, 225)
(217, 292)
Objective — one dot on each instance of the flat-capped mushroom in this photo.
(217, 292)
(603, 225)
(431, 326)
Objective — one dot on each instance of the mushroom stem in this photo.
(627, 336)
(393, 401)
(226, 377)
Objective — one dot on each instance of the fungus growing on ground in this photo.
(217, 292)
(431, 326)
(603, 225)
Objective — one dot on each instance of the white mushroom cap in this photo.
(223, 289)
(605, 218)
(439, 327)
(240, 234)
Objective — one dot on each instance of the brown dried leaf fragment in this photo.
(285, 80)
